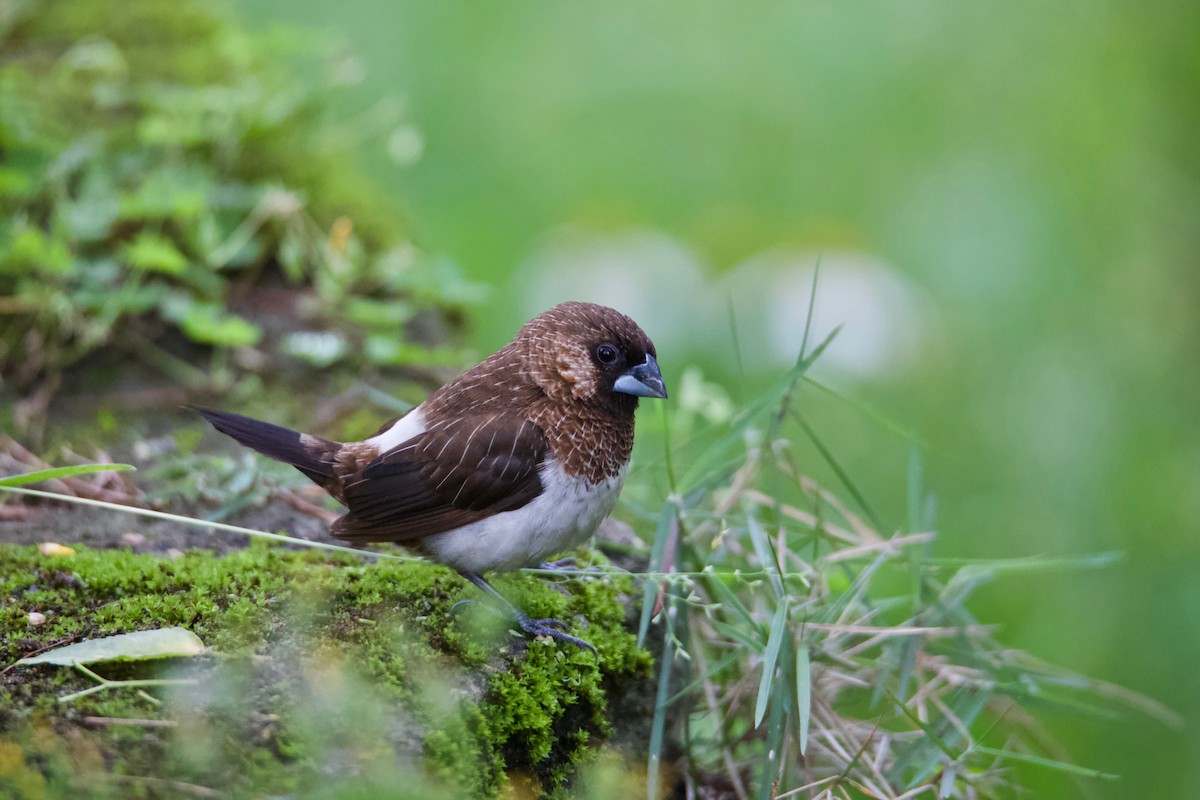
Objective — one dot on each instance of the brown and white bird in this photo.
(516, 459)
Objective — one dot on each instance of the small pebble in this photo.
(133, 539)
(36, 618)
(54, 549)
(174, 554)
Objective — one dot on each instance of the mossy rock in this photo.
(328, 676)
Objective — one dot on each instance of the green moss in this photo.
(325, 668)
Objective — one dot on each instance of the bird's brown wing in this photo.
(457, 472)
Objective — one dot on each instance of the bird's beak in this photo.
(644, 380)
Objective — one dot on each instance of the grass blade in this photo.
(713, 670)
(772, 759)
(727, 599)
(770, 657)
(737, 344)
(658, 723)
(701, 469)
(63, 472)
(765, 553)
(890, 425)
(842, 476)
(736, 633)
(1031, 563)
(803, 693)
(1049, 763)
(812, 305)
(202, 523)
(383, 399)
(650, 587)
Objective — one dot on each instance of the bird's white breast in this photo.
(563, 516)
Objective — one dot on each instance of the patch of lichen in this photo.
(325, 669)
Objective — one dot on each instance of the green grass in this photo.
(818, 649)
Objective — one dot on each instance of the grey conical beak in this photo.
(644, 380)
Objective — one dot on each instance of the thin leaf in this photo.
(857, 587)
(1030, 688)
(668, 462)
(703, 468)
(200, 523)
(770, 657)
(1049, 763)
(926, 729)
(803, 693)
(765, 553)
(137, 646)
(650, 587)
(918, 520)
(737, 633)
(892, 426)
(733, 656)
(384, 400)
(916, 492)
(842, 475)
(804, 362)
(795, 376)
(1032, 563)
(966, 706)
(728, 599)
(812, 305)
(737, 345)
(659, 721)
(773, 757)
(63, 472)
(907, 649)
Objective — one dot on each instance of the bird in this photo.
(518, 458)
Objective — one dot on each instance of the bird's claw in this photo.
(454, 608)
(554, 629)
(561, 565)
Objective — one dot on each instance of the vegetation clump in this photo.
(166, 189)
(321, 669)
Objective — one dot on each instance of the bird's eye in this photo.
(606, 353)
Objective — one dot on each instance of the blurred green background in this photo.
(1005, 201)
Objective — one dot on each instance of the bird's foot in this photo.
(551, 627)
(454, 608)
(562, 565)
(534, 627)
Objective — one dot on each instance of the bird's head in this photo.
(582, 352)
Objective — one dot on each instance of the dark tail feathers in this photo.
(313, 456)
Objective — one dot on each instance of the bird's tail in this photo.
(312, 455)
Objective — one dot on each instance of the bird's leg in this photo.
(562, 565)
(535, 627)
